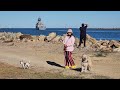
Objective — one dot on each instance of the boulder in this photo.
(41, 38)
(10, 35)
(62, 37)
(96, 46)
(50, 37)
(26, 37)
(116, 50)
(105, 49)
(26, 40)
(102, 47)
(104, 43)
(117, 45)
(8, 40)
(1, 34)
(56, 39)
(18, 35)
(35, 38)
(114, 43)
(90, 39)
(3, 38)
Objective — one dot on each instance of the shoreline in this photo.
(97, 34)
(66, 28)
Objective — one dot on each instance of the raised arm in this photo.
(86, 25)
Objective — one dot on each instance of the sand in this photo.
(47, 61)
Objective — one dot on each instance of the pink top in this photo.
(69, 41)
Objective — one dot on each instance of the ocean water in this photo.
(98, 34)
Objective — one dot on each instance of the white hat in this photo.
(70, 30)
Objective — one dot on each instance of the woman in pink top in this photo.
(68, 48)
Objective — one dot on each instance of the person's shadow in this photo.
(77, 69)
(58, 65)
(54, 64)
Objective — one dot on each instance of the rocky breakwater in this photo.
(9, 36)
(91, 43)
(103, 45)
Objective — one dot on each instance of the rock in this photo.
(10, 35)
(26, 40)
(116, 50)
(50, 37)
(62, 37)
(105, 49)
(18, 35)
(26, 37)
(1, 34)
(35, 38)
(41, 38)
(96, 46)
(45, 39)
(104, 44)
(56, 39)
(107, 41)
(114, 43)
(2, 38)
(101, 47)
(8, 40)
(117, 45)
(90, 39)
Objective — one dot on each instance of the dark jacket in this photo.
(83, 31)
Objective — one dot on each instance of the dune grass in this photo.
(11, 72)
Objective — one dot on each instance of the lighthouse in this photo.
(40, 25)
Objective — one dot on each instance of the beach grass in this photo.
(11, 72)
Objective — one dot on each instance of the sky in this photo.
(60, 19)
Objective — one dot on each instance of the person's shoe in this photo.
(73, 67)
(66, 67)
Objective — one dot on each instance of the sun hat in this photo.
(70, 30)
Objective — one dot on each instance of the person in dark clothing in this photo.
(83, 34)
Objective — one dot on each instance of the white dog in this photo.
(86, 63)
(25, 65)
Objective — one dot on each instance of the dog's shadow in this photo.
(54, 64)
(77, 69)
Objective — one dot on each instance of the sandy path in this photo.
(39, 53)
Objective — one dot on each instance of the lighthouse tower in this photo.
(40, 25)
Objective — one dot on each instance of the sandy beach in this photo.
(47, 61)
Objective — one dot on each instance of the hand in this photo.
(86, 24)
(65, 46)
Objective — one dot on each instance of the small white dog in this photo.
(25, 65)
(86, 63)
